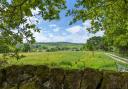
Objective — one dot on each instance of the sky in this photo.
(60, 30)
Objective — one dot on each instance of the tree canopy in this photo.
(13, 18)
(108, 15)
(97, 43)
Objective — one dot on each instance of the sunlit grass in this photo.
(68, 60)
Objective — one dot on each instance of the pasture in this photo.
(66, 60)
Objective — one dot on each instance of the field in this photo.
(60, 44)
(67, 60)
(56, 46)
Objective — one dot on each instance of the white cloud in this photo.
(56, 29)
(64, 34)
(77, 38)
(100, 33)
(52, 25)
(74, 29)
(40, 37)
(75, 34)
(64, 37)
(50, 35)
(32, 20)
(35, 11)
(74, 38)
(87, 24)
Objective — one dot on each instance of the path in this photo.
(117, 58)
(120, 67)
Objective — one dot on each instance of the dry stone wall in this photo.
(42, 77)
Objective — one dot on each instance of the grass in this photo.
(68, 60)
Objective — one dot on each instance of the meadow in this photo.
(66, 60)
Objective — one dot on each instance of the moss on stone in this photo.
(28, 85)
(91, 79)
(43, 77)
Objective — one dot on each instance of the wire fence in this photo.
(122, 67)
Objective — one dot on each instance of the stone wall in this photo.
(42, 77)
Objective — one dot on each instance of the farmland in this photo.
(66, 60)
(55, 46)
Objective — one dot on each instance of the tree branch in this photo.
(19, 4)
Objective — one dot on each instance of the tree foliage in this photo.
(108, 15)
(4, 49)
(97, 43)
(26, 48)
(94, 43)
(13, 18)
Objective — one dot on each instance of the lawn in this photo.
(66, 59)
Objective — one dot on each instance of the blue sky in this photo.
(60, 30)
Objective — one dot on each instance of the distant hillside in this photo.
(57, 46)
(60, 44)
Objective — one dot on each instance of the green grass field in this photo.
(67, 60)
